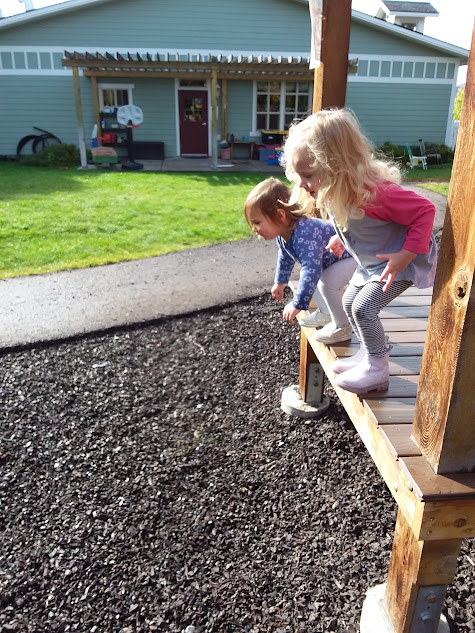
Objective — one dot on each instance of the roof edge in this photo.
(44, 12)
(73, 5)
(414, 36)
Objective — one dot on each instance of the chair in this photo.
(435, 155)
(416, 161)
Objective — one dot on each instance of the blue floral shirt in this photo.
(307, 247)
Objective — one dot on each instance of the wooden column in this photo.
(214, 119)
(419, 572)
(443, 424)
(77, 98)
(224, 109)
(95, 99)
(329, 88)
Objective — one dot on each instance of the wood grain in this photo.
(443, 423)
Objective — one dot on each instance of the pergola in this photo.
(192, 66)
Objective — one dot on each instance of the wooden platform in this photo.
(435, 506)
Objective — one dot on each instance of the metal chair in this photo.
(416, 161)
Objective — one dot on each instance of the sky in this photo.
(454, 24)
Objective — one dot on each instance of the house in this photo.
(228, 67)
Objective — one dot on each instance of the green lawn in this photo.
(56, 219)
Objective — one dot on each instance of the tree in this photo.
(458, 103)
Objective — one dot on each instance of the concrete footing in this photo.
(292, 403)
(374, 618)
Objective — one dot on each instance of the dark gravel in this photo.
(150, 482)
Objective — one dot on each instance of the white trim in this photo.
(45, 12)
(405, 58)
(400, 80)
(32, 72)
(206, 89)
(111, 86)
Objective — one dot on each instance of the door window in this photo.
(193, 109)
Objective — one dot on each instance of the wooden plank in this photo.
(365, 416)
(443, 422)
(404, 325)
(418, 292)
(430, 486)
(329, 86)
(392, 410)
(400, 441)
(406, 349)
(408, 337)
(453, 518)
(415, 564)
(399, 387)
(422, 300)
(404, 365)
(397, 312)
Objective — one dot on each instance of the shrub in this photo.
(394, 152)
(60, 155)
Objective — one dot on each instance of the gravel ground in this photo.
(150, 482)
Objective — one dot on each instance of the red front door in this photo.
(193, 107)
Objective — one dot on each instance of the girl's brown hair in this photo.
(269, 196)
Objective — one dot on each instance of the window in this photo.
(278, 104)
(115, 95)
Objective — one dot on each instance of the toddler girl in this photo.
(388, 230)
(302, 239)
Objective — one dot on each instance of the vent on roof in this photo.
(28, 4)
(410, 15)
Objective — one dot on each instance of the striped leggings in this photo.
(363, 304)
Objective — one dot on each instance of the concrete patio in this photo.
(201, 164)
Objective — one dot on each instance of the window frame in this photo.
(105, 86)
(282, 94)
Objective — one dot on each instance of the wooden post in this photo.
(95, 99)
(224, 109)
(419, 572)
(214, 118)
(77, 97)
(443, 420)
(310, 374)
(329, 87)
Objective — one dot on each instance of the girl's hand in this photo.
(335, 246)
(290, 313)
(278, 291)
(396, 263)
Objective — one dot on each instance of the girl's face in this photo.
(264, 227)
(307, 176)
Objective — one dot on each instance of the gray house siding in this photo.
(404, 90)
(245, 25)
(400, 113)
(240, 102)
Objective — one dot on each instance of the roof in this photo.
(410, 7)
(75, 5)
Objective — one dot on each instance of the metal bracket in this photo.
(429, 602)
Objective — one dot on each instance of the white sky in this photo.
(454, 23)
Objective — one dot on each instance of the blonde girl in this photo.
(301, 239)
(387, 229)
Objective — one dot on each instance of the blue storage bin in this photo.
(265, 154)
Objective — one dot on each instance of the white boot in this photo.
(371, 374)
(344, 364)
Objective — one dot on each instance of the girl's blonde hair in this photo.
(269, 196)
(342, 158)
